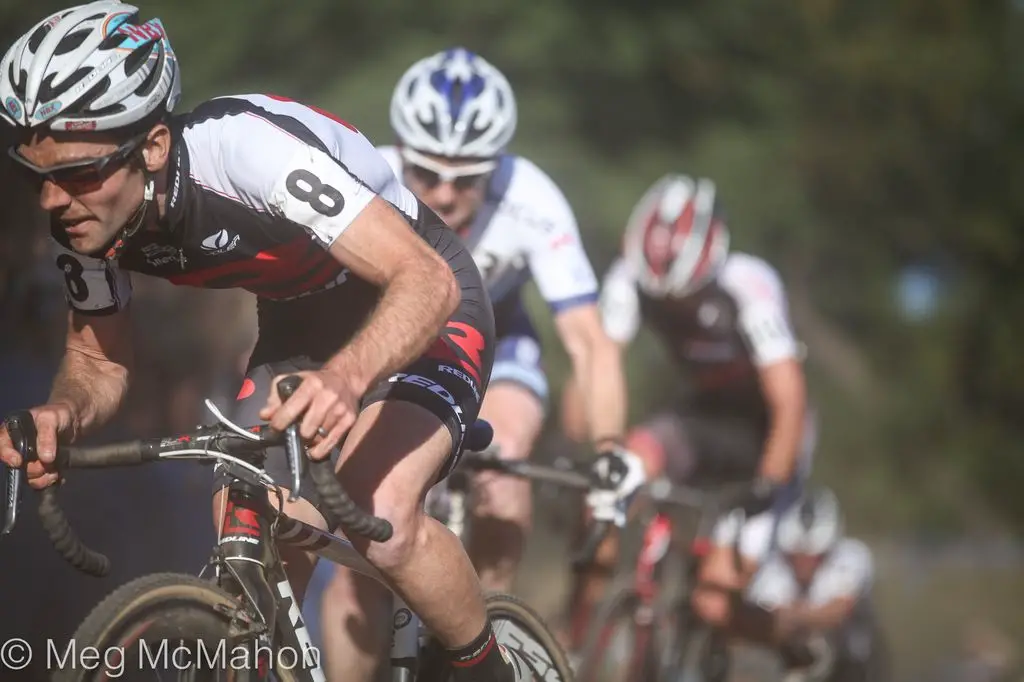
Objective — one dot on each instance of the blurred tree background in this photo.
(871, 150)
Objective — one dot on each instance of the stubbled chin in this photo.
(86, 245)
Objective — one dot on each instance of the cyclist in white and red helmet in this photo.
(741, 412)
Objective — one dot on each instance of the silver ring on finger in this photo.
(321, 431)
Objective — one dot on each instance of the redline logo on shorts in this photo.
(471, 342)
(448, 369)
(434, 387)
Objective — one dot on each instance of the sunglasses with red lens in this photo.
(78, 176)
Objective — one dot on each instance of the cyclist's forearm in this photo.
(820, 618)
(782, 447)
(604, 391)
(92, 388)
(407, 319)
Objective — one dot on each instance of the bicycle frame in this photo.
(246, 558)
(247, 524)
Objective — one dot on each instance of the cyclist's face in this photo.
(90, 202)
(453, 188)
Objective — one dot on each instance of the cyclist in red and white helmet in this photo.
(676, 240)
(741, 412)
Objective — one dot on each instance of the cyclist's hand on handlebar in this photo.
(757, 498)
(617, 475)
(325, 400)
(51, 422)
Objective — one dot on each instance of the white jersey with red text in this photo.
(525, 229)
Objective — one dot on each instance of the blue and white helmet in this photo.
(89, 67)
(454, 104)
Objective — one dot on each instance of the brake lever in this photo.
(286, 387)
(22, 432)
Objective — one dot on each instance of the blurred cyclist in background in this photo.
(742, 415)
(814, 592)
(454, 115)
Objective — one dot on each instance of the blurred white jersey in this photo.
(847, 571)
(755, 289)
(525, 229)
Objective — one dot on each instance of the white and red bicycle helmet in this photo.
(676, 239)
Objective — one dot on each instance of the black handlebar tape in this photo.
(115, 454)
(64, 539)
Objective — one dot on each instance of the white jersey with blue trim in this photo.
(526, 229)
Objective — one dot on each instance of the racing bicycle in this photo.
(238, 620)
(638, 635)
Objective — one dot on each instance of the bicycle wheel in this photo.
(516, 626)
(618, 644)
(167, 626)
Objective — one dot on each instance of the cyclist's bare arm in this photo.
(618, 312)
(90, 384)
(598, 375)
(419, 293)
(93, 376)
(803, 616)
(784, 389)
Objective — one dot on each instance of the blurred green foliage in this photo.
(849, 139)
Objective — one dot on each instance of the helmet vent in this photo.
(37, 38)
(154, 76)
(71, 42)
(137, 58)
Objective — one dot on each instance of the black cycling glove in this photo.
(758, 498)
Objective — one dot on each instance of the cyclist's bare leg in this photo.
(502, 510)
(592, 582)
(390, 459)
(354, 626)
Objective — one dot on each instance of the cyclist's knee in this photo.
(711, 605)
(399, 507)
(504, 498)
(718, 580)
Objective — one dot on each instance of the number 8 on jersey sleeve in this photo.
(320, 194)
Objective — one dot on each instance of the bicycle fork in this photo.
(656, 542)
(251, 566)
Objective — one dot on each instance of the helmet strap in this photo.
(134, 223)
